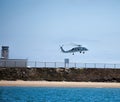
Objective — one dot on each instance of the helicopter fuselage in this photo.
(75, 49)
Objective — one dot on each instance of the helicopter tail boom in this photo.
(62, 49)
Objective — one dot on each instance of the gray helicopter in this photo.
(78, 48)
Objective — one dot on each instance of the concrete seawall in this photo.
(61, 74)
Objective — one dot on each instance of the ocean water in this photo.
(47, 94)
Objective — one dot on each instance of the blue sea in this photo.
(48, 94)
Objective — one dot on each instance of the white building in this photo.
(13, 62)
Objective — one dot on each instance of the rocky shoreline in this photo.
(61, 74)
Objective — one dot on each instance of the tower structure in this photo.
(5, 52)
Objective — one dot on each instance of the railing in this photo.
(32, 64)
(71, 65)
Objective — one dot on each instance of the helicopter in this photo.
(78, 48)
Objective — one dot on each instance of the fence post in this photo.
(55, 64)
(104, 65)
(85, 65)
(75, 65)
(45, 64)
(35, 63)
(15, 64)
(95, 65)
(26, 64)
(114, 65)
(65, 65)
(5, 64)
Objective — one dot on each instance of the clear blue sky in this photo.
(34, 29)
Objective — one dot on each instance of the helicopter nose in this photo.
(85, 49)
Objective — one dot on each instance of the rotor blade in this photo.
(75, 44)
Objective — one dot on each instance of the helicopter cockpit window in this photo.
(72, 49)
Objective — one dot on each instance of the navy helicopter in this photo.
(78, 48)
